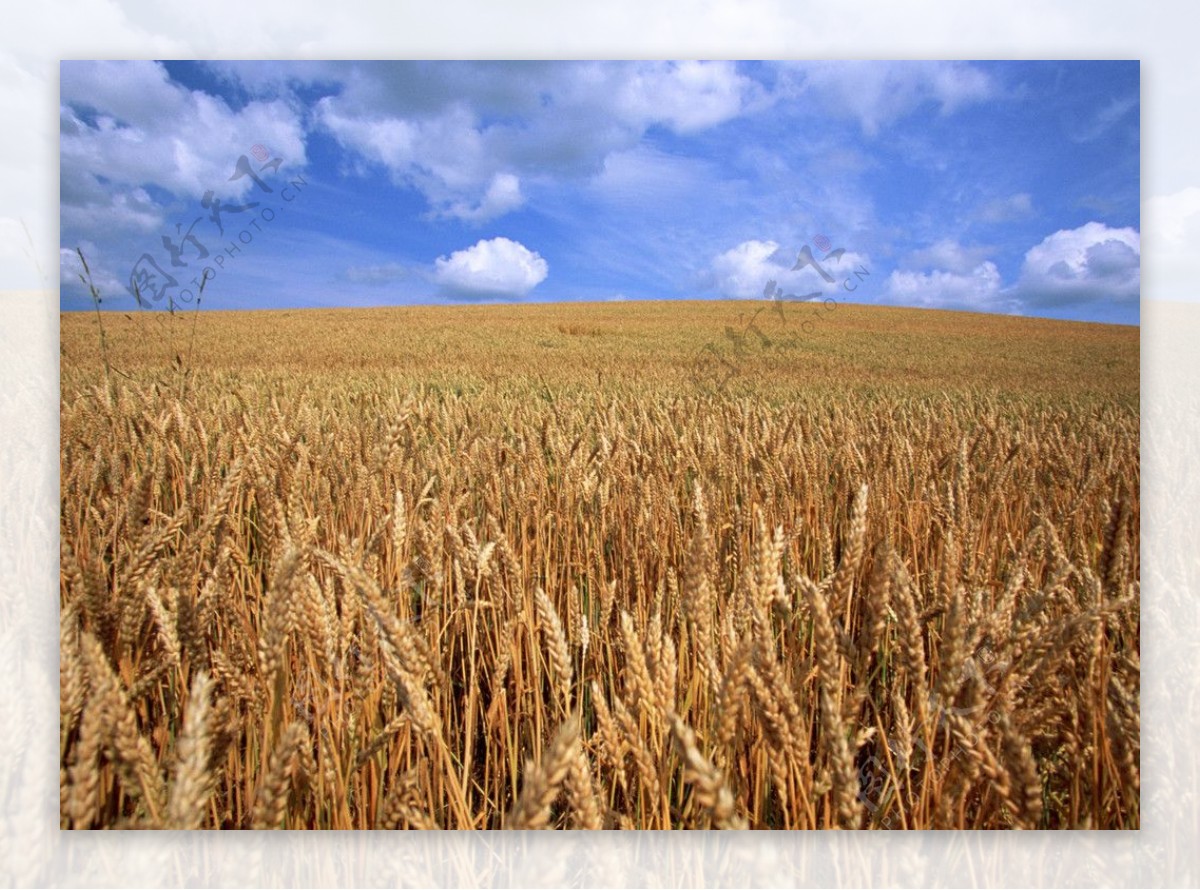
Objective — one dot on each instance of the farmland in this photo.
(621, 565)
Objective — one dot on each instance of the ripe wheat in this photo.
(367, 570)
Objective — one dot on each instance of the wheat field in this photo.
(534, 567)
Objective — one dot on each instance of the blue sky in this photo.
(1008, 187)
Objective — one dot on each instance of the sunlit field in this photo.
(622, 565)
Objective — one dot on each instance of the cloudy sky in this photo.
(996, 187)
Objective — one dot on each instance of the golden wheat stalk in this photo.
(271, 801)
(709, 785)
(193, 779)
(544, 781)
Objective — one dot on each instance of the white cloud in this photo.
(1013, 207)
(1171, 217)
(128, 124)
(503, 195)
(443, 157)
(1090, 264)
(274, 78)
(134, 93)
(1172, 223)
(744, 270)
(748, 270)
(977, 290)
(1106, 118)
(380, 273)
(497, 267)
(949, 255)
(112, 290)
(652, 180)
(879, 93)
(139, 152)
(131, 210)
(685, 96)
(465, 136)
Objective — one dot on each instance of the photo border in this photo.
(33, 850)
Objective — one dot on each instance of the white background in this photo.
(33, 38)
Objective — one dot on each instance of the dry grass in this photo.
(512, 567)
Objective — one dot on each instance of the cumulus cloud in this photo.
(445, 157)
(72, 274)
(498, 267)
(277, 78)
(126, 125)
(140, 151)
(452, 132)
(503, 195)
(1090, 264)
(975, 290)
(743, 271)
(747, 271)
(685, 96)
(131, 210)
(1093, 264)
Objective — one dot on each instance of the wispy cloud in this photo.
(1008, 209)
(1105, 119)
(878, 94)
(949, 255)
(380, 274)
